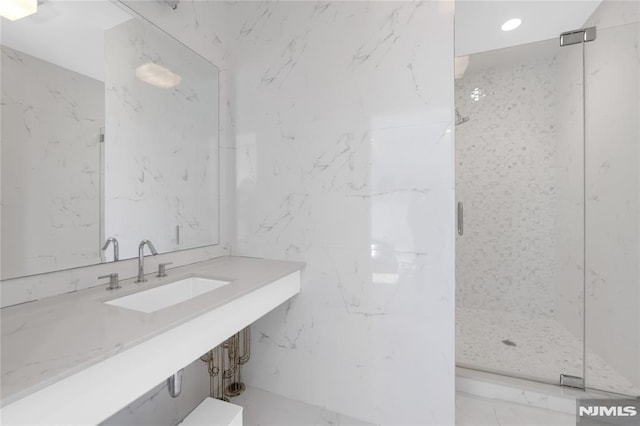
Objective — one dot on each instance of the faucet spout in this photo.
(116, 248)
(141, 258)
(148, 243)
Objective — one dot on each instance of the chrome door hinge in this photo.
(578, 36)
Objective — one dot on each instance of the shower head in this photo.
(460, 119)
(173, 4)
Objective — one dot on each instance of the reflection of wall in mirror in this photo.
(51, 120)
(161, 149)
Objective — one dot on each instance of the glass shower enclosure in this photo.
(548, 191)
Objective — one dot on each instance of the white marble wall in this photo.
(165, 175)
(343, 115)
(51, 170)
(506, 179)
(613, 191)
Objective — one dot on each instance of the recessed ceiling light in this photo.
(511, 24)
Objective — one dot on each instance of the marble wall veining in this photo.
(345, 160)
(51, 171)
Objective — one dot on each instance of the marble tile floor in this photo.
(262, 408)
(476, 411)
(537, 348)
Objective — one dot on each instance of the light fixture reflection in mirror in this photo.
(157, 75)
(17, 9)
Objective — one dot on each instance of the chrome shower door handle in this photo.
(460, 218)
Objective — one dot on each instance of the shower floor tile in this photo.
(536, 348)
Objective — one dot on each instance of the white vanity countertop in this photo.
(47, 340)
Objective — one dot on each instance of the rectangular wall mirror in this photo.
(109, 129)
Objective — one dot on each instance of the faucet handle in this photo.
(162, 272)
(113, 281)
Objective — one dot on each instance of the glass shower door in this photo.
(520, 185)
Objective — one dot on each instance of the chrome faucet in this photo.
(116, 248)
(141, 258)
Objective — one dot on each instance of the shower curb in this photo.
(518, 391)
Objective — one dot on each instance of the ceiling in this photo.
(478, 22)
(66, 33)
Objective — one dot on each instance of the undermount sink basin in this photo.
(167, 295)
